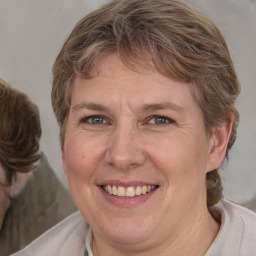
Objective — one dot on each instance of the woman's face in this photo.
(136, 154)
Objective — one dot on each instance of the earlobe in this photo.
(218, 144)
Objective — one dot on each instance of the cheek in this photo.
(76, 161)
(169, 151)
(181, 159)
(78, 168)
(82, 155)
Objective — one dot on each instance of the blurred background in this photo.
(33, 31)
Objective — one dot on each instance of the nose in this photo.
(125, 149)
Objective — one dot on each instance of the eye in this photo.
(94, 120)
(160, 120)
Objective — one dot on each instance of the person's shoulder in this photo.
(66, 238)
(238, 211)
(241, 225)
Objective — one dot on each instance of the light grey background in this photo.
(32, 32)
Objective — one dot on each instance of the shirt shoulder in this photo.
(65, 239)
(244, 221)
(237, 234)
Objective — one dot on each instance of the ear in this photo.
(19, 182)
(218, 144)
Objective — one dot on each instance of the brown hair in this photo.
(20, 132)
(179, 41)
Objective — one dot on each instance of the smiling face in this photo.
(136, 154)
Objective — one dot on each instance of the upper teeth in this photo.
(127, 191)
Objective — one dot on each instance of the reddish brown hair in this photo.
(20, 132)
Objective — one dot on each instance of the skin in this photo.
(128, 146)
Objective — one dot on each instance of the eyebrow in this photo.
(162, 106)
(90, 106)
(144, 108)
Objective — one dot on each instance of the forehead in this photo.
(119, 89)
(113, 70)
(114, 82)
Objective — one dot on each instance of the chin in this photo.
(128, 231)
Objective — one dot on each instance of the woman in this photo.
(144, 94)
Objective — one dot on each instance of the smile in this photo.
(131, 191)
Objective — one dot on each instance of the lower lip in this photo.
(127, 201)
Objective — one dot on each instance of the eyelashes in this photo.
(156, 120)
(94, 120)
(160, 120)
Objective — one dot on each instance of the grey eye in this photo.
(96, 120)
(159, 120)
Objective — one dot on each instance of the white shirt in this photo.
(237, 234)
(73, 236)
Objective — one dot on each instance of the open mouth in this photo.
(131, 191)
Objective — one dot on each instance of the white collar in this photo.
(88, 242)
